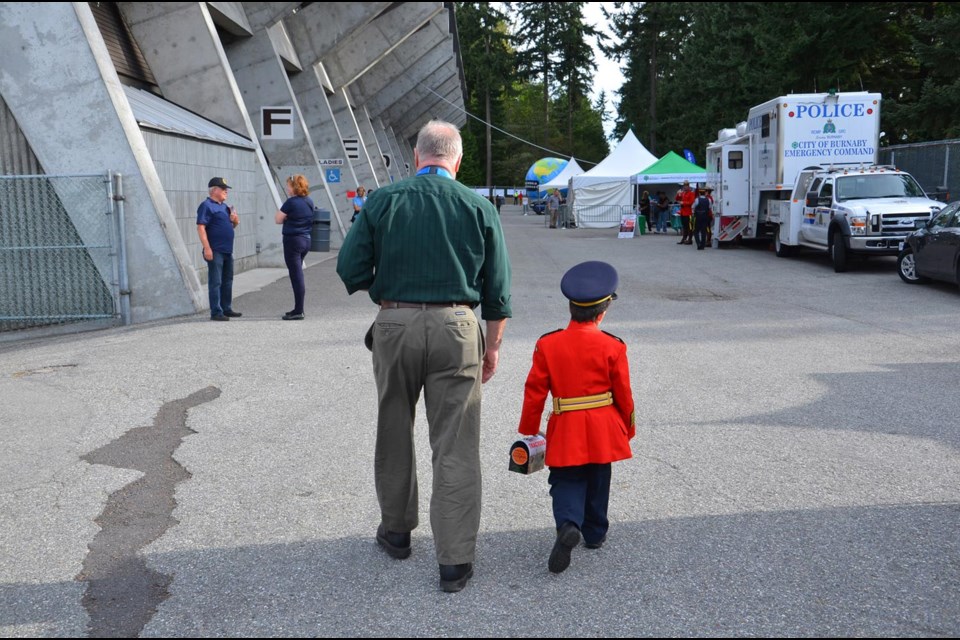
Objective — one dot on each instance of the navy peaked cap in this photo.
(590, 283)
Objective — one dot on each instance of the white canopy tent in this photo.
(598, 193)
(562, 181)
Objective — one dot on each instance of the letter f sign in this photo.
(276, 123)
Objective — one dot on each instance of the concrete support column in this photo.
(199, 77)
(263, 81)
(431, 105)
(374, 150)
(67, 100)
(396, 162)
(318, 120)
(407, 146)
(349, 129)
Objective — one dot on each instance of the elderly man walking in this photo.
(429, 250)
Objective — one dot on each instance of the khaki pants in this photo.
(553, 218)
(439, 350)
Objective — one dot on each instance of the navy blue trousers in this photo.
(581, 495)
(295, 250)
(220, 283)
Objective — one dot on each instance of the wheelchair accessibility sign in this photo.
(333, 175)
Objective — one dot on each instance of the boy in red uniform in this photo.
(587, 373)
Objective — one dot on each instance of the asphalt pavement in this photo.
(796, 469)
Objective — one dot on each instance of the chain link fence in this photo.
(58, 257)
(935, 165)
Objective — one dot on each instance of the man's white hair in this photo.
(440, 140)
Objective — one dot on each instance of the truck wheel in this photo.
(907, 268)
(838, 254)
(782, 250)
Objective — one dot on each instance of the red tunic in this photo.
(687, 198)
(580, 361)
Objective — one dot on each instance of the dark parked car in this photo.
(933, 252)
(538, 206)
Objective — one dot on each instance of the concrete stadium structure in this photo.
(170, 94)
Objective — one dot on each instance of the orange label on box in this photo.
(519, 455)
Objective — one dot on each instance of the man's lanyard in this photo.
(440, 171)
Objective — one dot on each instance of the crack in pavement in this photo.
(122, 593)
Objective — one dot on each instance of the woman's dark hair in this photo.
(588, 314)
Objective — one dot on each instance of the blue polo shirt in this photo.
(216, 218)
(299, 210)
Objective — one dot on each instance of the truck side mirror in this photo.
(812, 198)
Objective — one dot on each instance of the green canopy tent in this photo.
(671, 169)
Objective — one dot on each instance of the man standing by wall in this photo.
(429, 250)
(215, 225)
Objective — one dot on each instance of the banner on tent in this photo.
(628, 225)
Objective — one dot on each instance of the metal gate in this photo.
(60, 257)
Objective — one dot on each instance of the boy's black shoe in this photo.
(219, 318)
(568, 537)
(595, 545)
(453, 577)
(232, 314)
(395, 544)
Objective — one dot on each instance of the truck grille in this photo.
(898, 224)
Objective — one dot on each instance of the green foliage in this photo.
(694, 68)
(529, 77)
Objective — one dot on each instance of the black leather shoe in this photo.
(219, 318)
(568, 537)
(453, 577)
(232, 314)
(395, 544)
(293, 316)
(595, 545)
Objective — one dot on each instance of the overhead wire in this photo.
(507, 133)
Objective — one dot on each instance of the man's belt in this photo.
(390, 304)
(562, 405)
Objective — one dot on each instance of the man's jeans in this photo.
(220, 283)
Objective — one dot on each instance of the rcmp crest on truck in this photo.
(801, 171)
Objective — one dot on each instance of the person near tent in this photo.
(663, 212)
(645, 210)
(553, 207)
(709, 190)
(702, 212)
(685, 197)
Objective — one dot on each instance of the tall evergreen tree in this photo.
(488, 63)
(575, 66)
(535, 42)
(649, 36)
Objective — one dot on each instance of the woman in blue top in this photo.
(296, 216)
(358, 201)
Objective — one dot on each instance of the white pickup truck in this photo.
(848, 211)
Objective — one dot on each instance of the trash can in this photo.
(320, 231)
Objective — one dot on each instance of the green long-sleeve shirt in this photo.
(428, 239)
